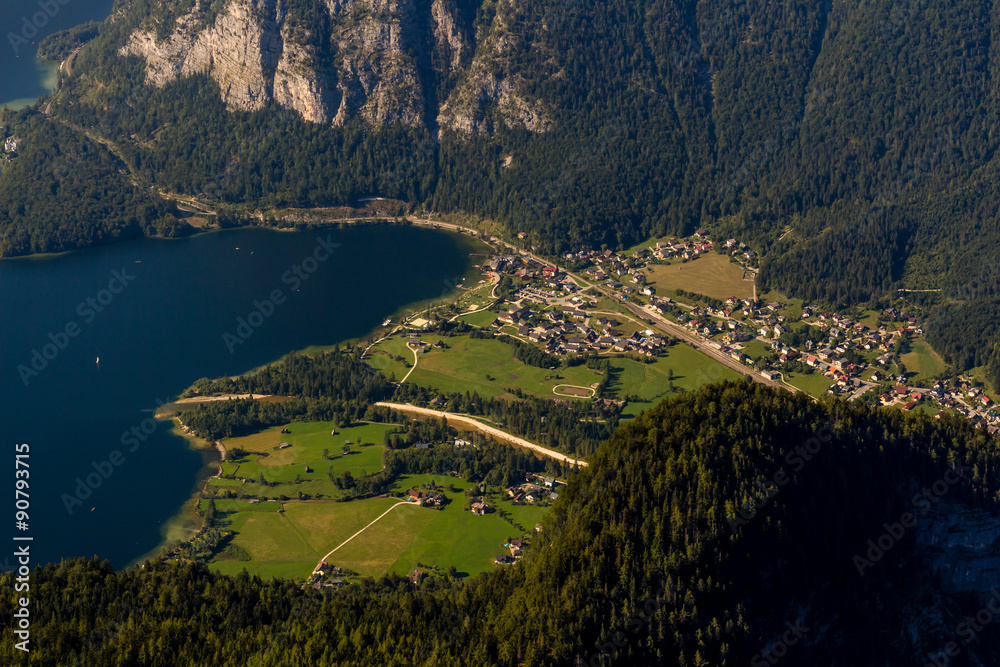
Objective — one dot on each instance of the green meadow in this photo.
(285, 470)
(922, 360)
(292, 542)
(487, 366)
(450, 537)
(289, 539)
(651, 382)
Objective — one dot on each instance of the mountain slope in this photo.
(656, 554)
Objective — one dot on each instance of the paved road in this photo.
(659, 321)
(678, 331)
(489, 430)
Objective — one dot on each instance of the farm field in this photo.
(650, 382)
(712, 275)
(451, 537)
(483, 318)
(814, 385)
(922, 360)
(488, 367)
(290, 543)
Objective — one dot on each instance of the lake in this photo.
(157, 314)
(25, 24)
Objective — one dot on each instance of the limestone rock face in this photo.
(962, 545)
(346, 59)
(238, 50)
(489, 96)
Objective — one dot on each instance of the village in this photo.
(590, 307)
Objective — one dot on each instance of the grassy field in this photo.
(287, 467)
(383, 357)
(410, 535)
(288, 539)
(712, 275)
(756, 349)
(488, 367)
(923, 360)
(690, 370)
(483, 318)
(651, 382)
(814, 385)
(290, 543)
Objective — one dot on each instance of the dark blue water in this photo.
(164, 329)
(23, 24)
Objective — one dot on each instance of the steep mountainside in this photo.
(335, 61)
(734, 525)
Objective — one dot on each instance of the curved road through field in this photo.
(331, 552)
(489, 430)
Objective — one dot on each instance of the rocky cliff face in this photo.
(344, 59)
(962, 546)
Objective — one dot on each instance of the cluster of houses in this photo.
(426, 498)
(414, 343)
(327, 576)
(530, 269)
(962, 397)
(570, 332)
(842, 353)
(684, 248)
(533, 490)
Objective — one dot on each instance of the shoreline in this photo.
(186, 522)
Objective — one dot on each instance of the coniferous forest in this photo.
(643, 560)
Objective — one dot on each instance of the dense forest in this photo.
(62, 191)
(680, 545)
(331, 386)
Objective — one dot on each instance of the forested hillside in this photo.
(680, 545)
(867, 132)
